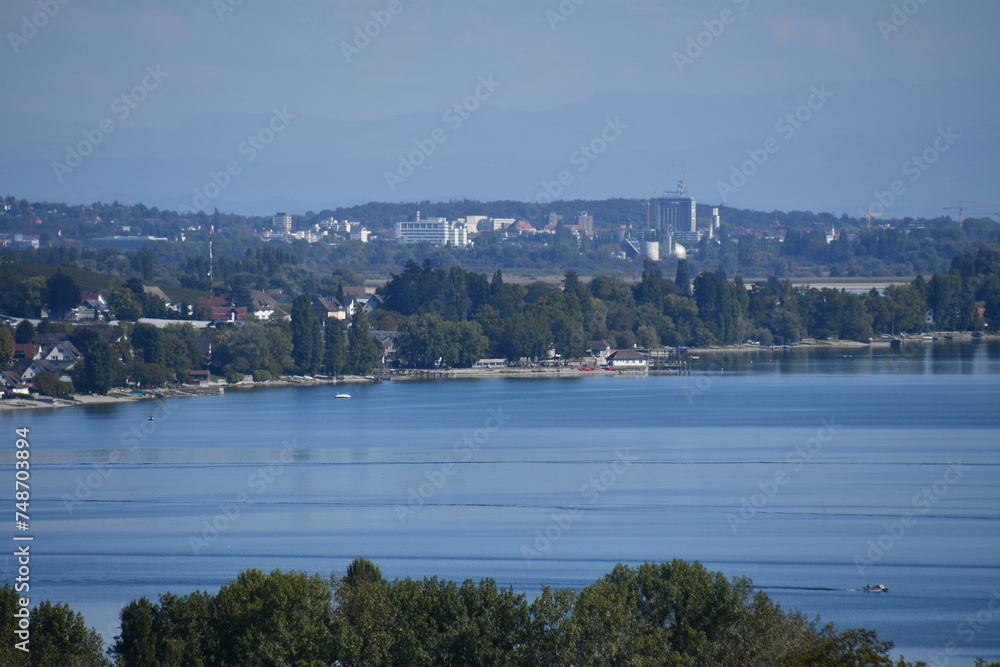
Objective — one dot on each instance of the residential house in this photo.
(266, 308)
(62, 354)
(387, 342)
(355, 291)
(36, 367)
(229, 314)
(599, 349)
(210, 302)
(154, 291)
(201, 378)
(9, 381)
(92, 307)
(203, 344)
(329, 307)
(521, 227)
(370, 303)
(628, 360)
(27, 351)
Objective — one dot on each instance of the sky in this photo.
(70, 62)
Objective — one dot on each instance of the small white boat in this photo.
(877, 588)
(342, 396)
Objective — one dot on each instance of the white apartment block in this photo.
(436, 231)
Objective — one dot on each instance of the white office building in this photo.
(436, 231)
(282, 222)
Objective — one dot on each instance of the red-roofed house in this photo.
(27, 351)
(522, 227)
(211, 302)
(229, 314)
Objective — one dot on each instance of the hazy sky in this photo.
(252, 55)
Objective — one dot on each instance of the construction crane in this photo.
(868, 217)
(962, 207)
(656, 190)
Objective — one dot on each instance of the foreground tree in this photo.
(307, 336)
(364, 353)
(676, 614)
(99, 369)
(58, 636)
(61, 293)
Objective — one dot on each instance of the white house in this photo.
(628, 360)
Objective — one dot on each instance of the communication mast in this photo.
(211, 233)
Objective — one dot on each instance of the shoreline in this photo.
(411, 375)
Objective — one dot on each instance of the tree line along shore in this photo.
(433, 318)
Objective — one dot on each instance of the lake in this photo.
(813, 472)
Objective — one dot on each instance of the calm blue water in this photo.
(838, 447)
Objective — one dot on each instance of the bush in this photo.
(50, 385)
(262, 376)
(232, 375)
(764, 337)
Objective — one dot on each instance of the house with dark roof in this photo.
(9, 380)
(27, 351)
(36, 367)
(229, 314)
(92, 307)
(11, 384)
(158, 293)
(266, 308)
(628, 360)
(370, 303)
(61, 353)
(354, 291)
(387, 342)
(329, 307)
(210, 302)
(600, 349)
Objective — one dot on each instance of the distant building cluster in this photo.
(18, 241)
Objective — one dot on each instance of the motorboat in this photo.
(342, 396)
(876, 588)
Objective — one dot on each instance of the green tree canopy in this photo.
(61, 293)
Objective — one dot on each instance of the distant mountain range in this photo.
(846, 143)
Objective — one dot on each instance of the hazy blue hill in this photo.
(856, 143)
